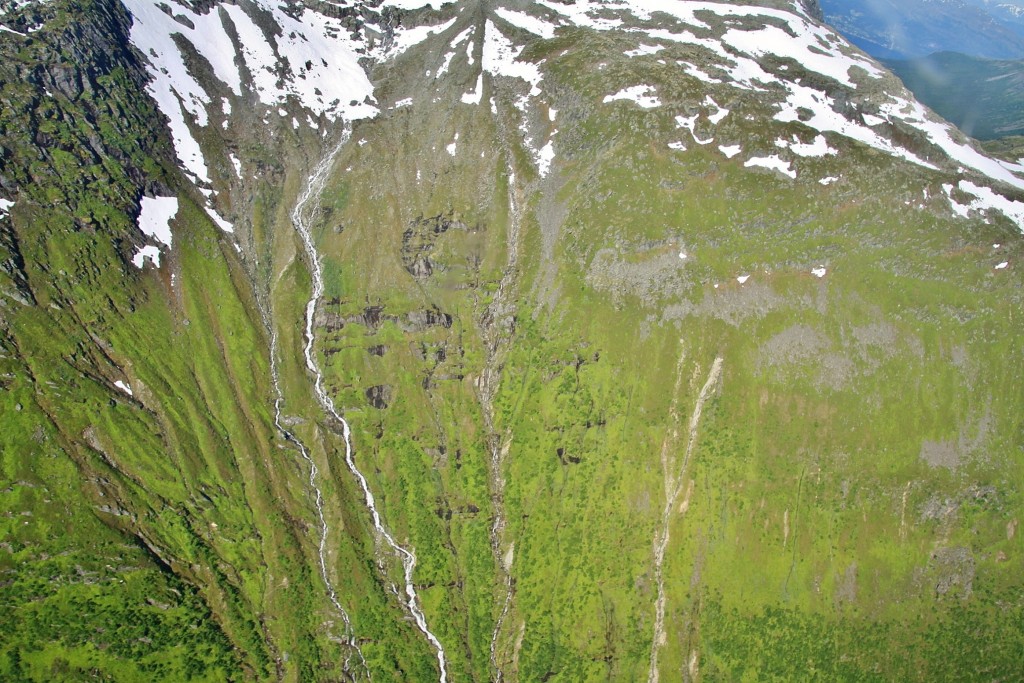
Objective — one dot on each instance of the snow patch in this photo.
(218, 221)
(416, 35)
(698, 73)
(312, 59)
(527, 22)
(818, 148)
(772, 162)
(819, 271)
(986, 199)
(643, 95)
(643, 49)
(147, 252)
(940, 134)
(123, 387)
(155, 217)
(719, 114)
(690, 124)
(730, 150)
(500, 58)
(473, 97)
(544, 158)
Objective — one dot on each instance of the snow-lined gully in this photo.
(306, 208)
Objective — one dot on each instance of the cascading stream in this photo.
(319, 499)
(673, 487)
(306, 206)
(488, 388)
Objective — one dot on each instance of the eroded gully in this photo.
(314, 473)
(306, 208)
(674, 477)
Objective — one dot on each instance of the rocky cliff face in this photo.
(498, 340)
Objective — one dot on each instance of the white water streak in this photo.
(306, 207)
(673, 486)
(497, 309)
(324, 529)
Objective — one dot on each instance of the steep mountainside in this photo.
(985, 98)
(498, 341)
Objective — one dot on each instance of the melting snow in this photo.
(544, 158)
(730, 150)
(940, 135)
(500, 59)
(445, 64)
(312, 59)
(155, 217)
(474, 96)
(719, 114)
(416, 35)
(828, 180)
(405, 102)
(218, 221)
(147, 252)
(1002, 265)
(689, 124)
(818, 148)
(810, 48)
(123, 387)
(5, 206)
(819, 271)
(772, 162)
(962, 210)
(644, 50)
(677, 145)
(986, 198)
(643, 95)
(697, 73)
(824, 118)
(527, 22)
(742, 278)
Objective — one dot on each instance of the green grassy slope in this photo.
(168, 534)
(847, 502)
(849, 508)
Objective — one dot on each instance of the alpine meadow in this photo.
(499, 340)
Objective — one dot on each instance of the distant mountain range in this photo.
(962, 58)
(904, 29)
